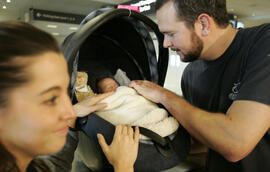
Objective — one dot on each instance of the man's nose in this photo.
(167, 42)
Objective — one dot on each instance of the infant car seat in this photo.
(124, 39)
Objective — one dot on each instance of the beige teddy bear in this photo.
(82, 90)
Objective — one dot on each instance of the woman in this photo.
(35, 109)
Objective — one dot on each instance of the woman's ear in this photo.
(1, 117)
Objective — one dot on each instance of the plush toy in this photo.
(82, 90)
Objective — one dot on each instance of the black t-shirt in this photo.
(241, 73)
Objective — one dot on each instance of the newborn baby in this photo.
(125, 106)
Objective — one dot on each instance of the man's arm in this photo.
(233, 135)
(197, 147)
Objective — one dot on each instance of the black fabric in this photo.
(149, 159)
(119, 34)
(149, 45)
(242, 73)
(115, 45)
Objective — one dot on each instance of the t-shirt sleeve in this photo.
(256, 80)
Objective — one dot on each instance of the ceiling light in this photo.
(8, 1)
(55, 34)
(145, 8)
(144, 5)
(4, 7)
(51, 26)
(145, 2)
(73, 28)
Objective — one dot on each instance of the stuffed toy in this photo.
(82, 89)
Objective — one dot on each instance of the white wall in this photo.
(174, 73)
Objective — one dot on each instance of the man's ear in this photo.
(204, 22)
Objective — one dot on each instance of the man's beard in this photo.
(196, 49)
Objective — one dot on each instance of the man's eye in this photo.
(170, 34)
(51, 101)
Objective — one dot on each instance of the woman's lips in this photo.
(63, 130)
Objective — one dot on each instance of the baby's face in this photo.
(107, 85)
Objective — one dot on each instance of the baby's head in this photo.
(105, 85)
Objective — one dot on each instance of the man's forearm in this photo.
(216, 131)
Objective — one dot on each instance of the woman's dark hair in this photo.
(18, 40)
(7, 161)
(189, 10)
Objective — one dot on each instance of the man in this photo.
(225, 87)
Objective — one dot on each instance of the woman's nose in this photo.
(67, 110)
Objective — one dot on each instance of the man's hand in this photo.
(148, 90)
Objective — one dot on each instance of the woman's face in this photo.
(36, 117)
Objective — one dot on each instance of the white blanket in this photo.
(125, 106)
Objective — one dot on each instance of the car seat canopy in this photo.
(117, 39)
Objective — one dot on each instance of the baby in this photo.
(107, 85)
(126, 106)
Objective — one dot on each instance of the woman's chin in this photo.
(55, 146)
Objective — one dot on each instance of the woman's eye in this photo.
(51, 101)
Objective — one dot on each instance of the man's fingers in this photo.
(102, 143)
(134, 83)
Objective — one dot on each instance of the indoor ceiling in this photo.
(20, 10)
(249, 12)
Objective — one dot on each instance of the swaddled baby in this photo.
(125, 106)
